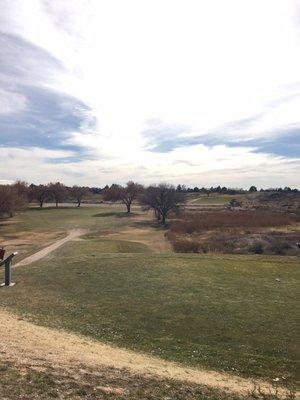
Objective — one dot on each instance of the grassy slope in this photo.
(223, 312)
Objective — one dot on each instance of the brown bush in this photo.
(256, 248)
(185, 246)
(280, 247)
(182, 244)
(197, 222)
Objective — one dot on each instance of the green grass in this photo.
(33, 223)
(72, 217)
(93, 247)
(223, 312)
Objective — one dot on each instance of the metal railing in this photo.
(7, 263)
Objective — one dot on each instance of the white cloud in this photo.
(197, 63)
(199, 165)
(11, 102)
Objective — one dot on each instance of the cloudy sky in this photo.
(201, 92)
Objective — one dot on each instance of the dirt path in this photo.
(75, 233)
(23, 342)
(193, 200)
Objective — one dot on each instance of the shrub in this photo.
(235, 203)
(185, 246)
(280, 247)
(256, 248)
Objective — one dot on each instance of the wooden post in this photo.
(7, 280)
(8, 267)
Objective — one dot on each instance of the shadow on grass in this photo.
(71, 207)
(118, 214)
(149, 224)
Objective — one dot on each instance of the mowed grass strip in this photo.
(66, 218)
(232, 313)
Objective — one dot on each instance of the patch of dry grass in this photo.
(205, 221)
(45, 382)
(236, 232)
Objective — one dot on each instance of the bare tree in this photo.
(13, 198)
(21, 188)
(253, 189)
(39, 193)
(8, 200)
(79, 192)
(126, 194)
(162, 199)
(58, 191)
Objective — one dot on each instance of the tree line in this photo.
(162, 199)
(16, 197)
(231, 191)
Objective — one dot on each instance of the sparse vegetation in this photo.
(235, 232)
(197, 222)
(185, 245)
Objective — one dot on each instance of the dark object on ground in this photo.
(256, 248)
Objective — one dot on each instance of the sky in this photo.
(197, 92)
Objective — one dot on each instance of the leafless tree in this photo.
(12, 198)
(79, 192)
(8, 200)
(21, 188)
(126, 194)
(58, 191)
(39, 193)
(162, 199)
